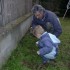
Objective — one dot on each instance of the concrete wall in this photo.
(0, 12)
(14, 23)
(10, 37)
(13, 9)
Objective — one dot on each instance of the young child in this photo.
(48, 44)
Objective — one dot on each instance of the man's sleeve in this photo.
(34, 23)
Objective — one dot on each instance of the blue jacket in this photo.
(47, 42)
(48, 17)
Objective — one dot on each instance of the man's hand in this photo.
(31, 30)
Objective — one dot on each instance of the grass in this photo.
(25, 58)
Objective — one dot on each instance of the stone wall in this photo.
(11, 36)
(15, 20)
(13, 9)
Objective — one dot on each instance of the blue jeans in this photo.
(45, 60)
(49, 56)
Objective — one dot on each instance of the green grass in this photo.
(25, 57)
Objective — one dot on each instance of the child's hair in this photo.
(38, 30)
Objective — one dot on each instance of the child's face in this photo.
(38, 35)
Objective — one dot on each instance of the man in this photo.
(47, 19)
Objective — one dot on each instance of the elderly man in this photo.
(47, 19)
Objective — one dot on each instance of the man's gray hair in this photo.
(37, 8)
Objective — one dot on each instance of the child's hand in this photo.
(37, 43)
(38, 52)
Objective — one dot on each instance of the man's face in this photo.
(39, 15)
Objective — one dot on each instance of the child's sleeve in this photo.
(40, 44)
(47, 48)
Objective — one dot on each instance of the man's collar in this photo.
(45, 15)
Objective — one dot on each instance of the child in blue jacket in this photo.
(48, 44)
